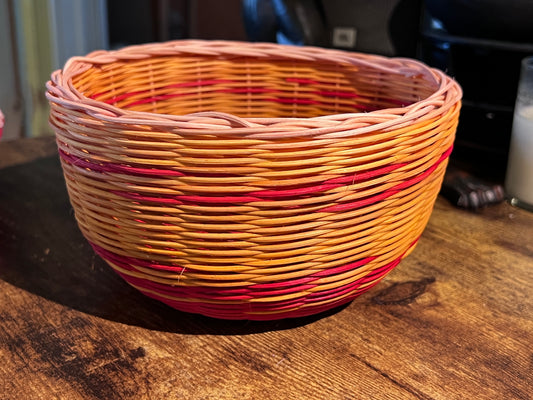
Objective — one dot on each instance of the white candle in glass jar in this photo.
(519, 179)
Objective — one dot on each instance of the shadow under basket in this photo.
(251, 181)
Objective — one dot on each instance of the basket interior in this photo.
(247, 87)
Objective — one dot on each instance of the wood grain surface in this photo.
(453, 321)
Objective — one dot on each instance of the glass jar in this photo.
(519, 177)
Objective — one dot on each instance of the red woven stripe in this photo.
(123, 96)
(103, 167)
(228, 294)
(142, 198)
(395, 189)
(295, 192)
(251, 90)
(288, 286)
(200, 83)
(337, 94)
(360, 203)
(155, 99)
(125, 262)
(363, 176)
(250, 292)
(115, 99)
(425, 174)
(301, 284)
(284, 284)
(248, 90)
(244, 309)
(329, 184)
(343, 268)
(364, 107)
(262, 195)
(302, 81)
(344, 94)
(218, 199)
(293, 101)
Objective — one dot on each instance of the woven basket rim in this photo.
(60, 89)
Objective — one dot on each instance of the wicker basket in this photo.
(251, 181)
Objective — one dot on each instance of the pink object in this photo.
(2, 120)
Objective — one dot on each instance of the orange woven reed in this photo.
(252, 181)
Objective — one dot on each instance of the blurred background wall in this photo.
(37, 37)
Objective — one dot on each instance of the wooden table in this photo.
(453, 321)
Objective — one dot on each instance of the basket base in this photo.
(245, 312)
(224, 304)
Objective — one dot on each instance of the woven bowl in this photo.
(251, 181)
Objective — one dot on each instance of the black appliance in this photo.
(481, 43)
(478, 42)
